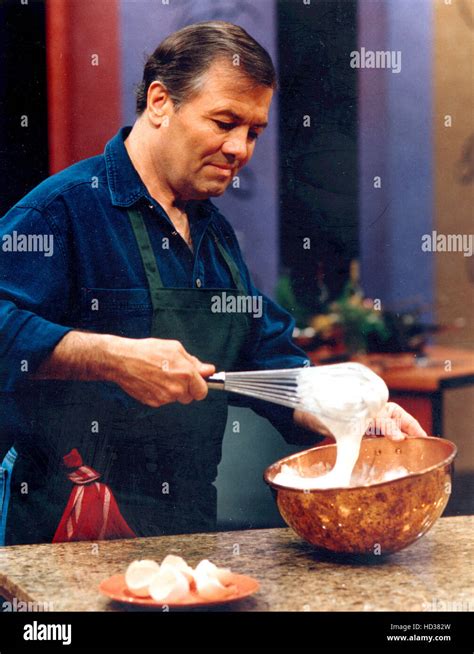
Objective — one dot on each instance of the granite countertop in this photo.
(433, 574)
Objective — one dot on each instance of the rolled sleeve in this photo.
(34, 292)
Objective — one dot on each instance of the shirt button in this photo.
(150, 206)
(198, 283)
(174, 233)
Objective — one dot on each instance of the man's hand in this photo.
(154, 371)
(392, 421)
(395, 423)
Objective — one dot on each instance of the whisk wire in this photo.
(315, 390)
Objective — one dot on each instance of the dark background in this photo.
(318, 165)
(23, 92)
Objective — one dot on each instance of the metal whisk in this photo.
(342, 391)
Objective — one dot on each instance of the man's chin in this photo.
(211, 191)
(215, 193)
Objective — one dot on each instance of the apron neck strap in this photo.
(234, 270)
(149, 260)
(146, 252)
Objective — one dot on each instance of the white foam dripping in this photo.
(344, 400)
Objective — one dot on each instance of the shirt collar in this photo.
(125, 184)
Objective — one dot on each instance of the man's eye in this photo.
(253, 136)
(226, 126)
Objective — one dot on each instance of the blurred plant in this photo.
(353, 316)
(355, 324)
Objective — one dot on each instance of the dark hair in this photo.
(180, 61)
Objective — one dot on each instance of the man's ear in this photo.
(159, 105)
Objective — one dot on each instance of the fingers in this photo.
(184, 385)
(384, 425)
(197, 371)
(204, 369)
(408, 425)
(413, 429)
(395, 423)
(392, 430)
(186, 374)
(160, 371)
(191, 384)
(197, 387)
(166, 394)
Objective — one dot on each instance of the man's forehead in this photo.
(226, 91)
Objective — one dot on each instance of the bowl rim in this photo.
(447, 461)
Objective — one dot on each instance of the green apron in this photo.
(160, 463)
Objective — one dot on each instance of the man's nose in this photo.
(237, 146)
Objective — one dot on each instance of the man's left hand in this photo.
(392, 422)
(395, 423)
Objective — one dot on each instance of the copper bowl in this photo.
(377, 519)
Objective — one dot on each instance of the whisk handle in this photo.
(217, 382)
(216, 385)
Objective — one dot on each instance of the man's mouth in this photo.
(224, 169)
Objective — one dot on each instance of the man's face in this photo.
(213, 135)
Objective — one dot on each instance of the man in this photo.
(107, 339)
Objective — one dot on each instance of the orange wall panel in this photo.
(84, 85)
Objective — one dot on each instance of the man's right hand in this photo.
(154, 371)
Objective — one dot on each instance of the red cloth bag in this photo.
(92, 512)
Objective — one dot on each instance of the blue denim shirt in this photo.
(70, 240)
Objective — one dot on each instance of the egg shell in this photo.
(169, 585)
(223, 575)
(209, 587)
(178, 563)
(139, 575)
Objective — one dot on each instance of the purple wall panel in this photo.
(410, 148)
(252, 209)
(395, 142)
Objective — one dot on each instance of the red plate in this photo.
(115, 588)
